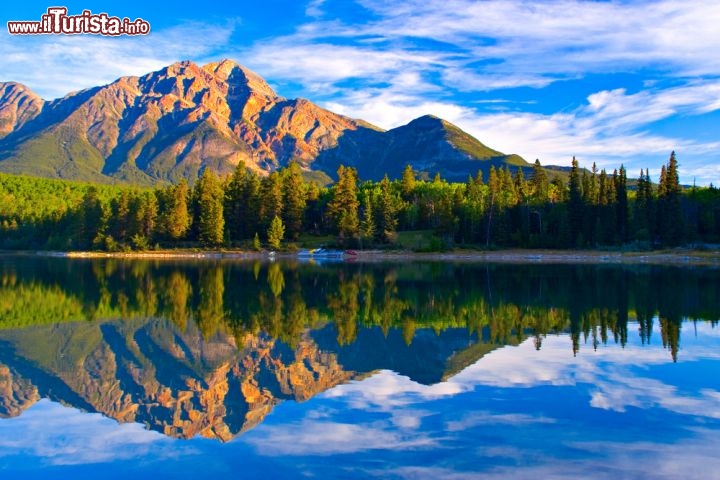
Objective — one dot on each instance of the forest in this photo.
(584, 208)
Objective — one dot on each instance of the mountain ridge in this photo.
(173, 123)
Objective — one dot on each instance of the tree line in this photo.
(499, 304)
(582, 209)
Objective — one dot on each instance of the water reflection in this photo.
(210, 349)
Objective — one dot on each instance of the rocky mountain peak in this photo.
(233, 73)
(18, 105)
(176, 121)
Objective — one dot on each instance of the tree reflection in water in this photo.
(207, 348)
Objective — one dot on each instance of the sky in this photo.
(610, 82)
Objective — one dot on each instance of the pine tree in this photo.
(408, 182)
(120, 217)
(493, 192)
(252, 201)
(178, 216)
(209, 198)
(644, 211)
(343, 207)
(294, 193)
(92, 219)
(235, 206)
(275, 233)
(539, 183)
(272, 198)
(670, 219)
(622, 204)
(575, 204)
(367, 224)
(144, 213)
(387, 210)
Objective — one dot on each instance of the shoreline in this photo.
(658, 257)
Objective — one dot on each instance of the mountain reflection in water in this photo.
(210, 349)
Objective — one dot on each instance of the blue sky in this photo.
(609, 82)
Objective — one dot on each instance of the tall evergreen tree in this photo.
(209, 198)
(275, 233)
(272, 198)
(144, 213)
(670, 219)
(575, 204)
(387, 210)
(539, 183)
(295, 200)
(92, 219)
(408, 182)
(343, 207)
(367, 224)
(120, 217)
(235, 207)
(252, 201)
(622, 204)
(644, 211)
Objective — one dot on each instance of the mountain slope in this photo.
(173, 123)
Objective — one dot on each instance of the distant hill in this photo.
(177, 121)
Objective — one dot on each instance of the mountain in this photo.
(173, 123)
(182, 384)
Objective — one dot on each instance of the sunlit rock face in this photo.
(175, 122)
(180, 384)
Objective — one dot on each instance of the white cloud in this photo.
(566, 36)
(312, 437)
(314, 8)
(53, 66)
(398, 74)
(80, 438)
(430, 56)
(617, 384)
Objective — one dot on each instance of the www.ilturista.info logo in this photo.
(57, 21)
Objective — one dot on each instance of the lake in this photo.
(114, 368)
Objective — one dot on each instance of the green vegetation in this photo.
(593, 210)
(469, 144)
(499, 304)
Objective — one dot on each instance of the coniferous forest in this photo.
(509, 209)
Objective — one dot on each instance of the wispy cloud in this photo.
(453, 58)
(419, 57)
(312, 437)
(617, 384)
(79, 438)
(53, 65)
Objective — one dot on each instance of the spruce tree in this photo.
(622, 204)
(343, 207)
(271, 205)
(575, 204)
(408, 182)
(367, 224)
(670, 219)
(295, 200)
(387, 210)
(235, 207)
(539, 183)
(210, 221)
(275, 233)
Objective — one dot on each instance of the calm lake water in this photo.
(141, 369)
